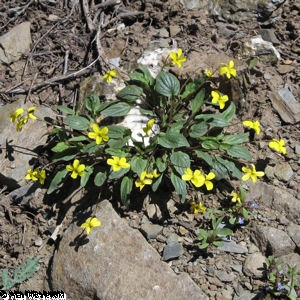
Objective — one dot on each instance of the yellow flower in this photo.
(177, 58)
(118, 163)
(236, 197)
(253, 125)
(109, 75)
(90, 223)
(219, 98)
(196, 208)
(76, 169)
(208, 72)
(30, 112)
(278, 145)
(251, 173)
(21, 122)
(148, 127)
(228, 69)
(209, 185)
(197, 178)
(99, 134)
(36, 175)
(143, 180)
(16, 114)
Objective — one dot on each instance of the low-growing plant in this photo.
(216, 235)
(20, 274)
(281, 284)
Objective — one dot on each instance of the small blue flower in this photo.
(279, 286)
(241, 221)
(255, 205)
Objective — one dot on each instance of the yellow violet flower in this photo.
(209, 185)
(118, 163)
(30, 113)
(236, 197)
(109, 75)
(90, 223)
(76, 169)
(21, 122)
(196, 208)
(99, 134)
(177, 58)
(278, 145)
(218, 98)
(154, 174)
(16, 114)
(36, 175)
(251, 173)
(197, 178)
(255, 125)
(228, 69)
(143, 180)
(148, 127)
(208, 73)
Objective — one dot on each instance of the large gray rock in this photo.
(272, 240)
(18, 148)
(15, 43)
(255, 264)
(294, 232)
(116, 262)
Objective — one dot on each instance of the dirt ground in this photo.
(72, 40)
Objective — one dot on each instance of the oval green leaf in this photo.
(167, 84)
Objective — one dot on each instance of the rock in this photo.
(224, 276)
(294, 232)
(14, 161)
(283, 172)
(254, 265)
(273, 240)
(269, 36)
(171, 251)
(174, 30)
(151, 231)
(292, 259)
(284, 69)
(286, 105)
(15, 43)
(232, 247)
(245, 295)
(153, 212)
(115, 262)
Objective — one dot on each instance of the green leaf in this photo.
(65, 155)
(79, 138)
(161, 163)
(77, 122)
(87, 173)
(239, 152)
(130, 93)
(198, 101)
(210, 145)
(189, 89)
(224, 231)
(167, 84)
(179, 185)
(203, 245)
(118, 143)
(91, 148)
(157, 182)
(99, 178)
(172, 139)
(229, 112)
(61, 146)
(142, 75)
(92, 103)
(125, 189)
(205, 156)
(252, 63)
(180, 161)
(56, 181)
(116, 152)
(116, 131)
(138, 165)
(178, 125)
(218, 243)
(119, 174)
(224, 169)
(66, 110)
(237, 138)
(197, 130)
(213, 120)
(117, 110)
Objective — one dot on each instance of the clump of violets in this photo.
(228, 70)
(177, 58)
(36, 175)
(76, 169)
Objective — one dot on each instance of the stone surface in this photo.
(171, 251)
(115, 262)
(254, 265)
(151, 231)
(232, 247)
(294, 232)
(272, 240)
(18, 148)
(15, 43)
(283, 171)
(225, 277)
(286, 105)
